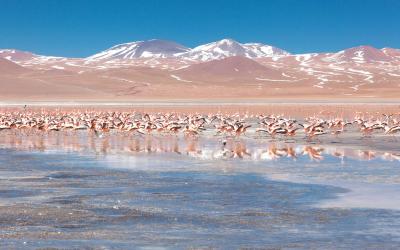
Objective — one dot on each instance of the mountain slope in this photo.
(142, 49)
(230, 68)
(361, 54)
(394, 53)
(10, 68)
(225, 68)
(228, 47)
(16, 55)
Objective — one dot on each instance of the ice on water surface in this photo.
(79, 189)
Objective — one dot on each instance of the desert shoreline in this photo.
(201, 102)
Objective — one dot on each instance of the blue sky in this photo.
(83, 27)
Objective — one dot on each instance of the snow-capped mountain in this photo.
(207, 52)
(261, 50)
(29, 59)
(361, 54)
(351, 71)
(16, 55)
(143, 49)
(169, 68)
(228, 47)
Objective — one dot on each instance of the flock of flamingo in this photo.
(235, 125)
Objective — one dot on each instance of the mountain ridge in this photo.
(157, 48)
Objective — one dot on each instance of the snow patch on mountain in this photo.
(179, 79)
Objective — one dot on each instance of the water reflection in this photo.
(201, 148)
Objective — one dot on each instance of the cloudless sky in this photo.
(78, 28)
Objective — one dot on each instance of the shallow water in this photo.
(77, 190)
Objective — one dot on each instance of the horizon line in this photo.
(227, 38)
